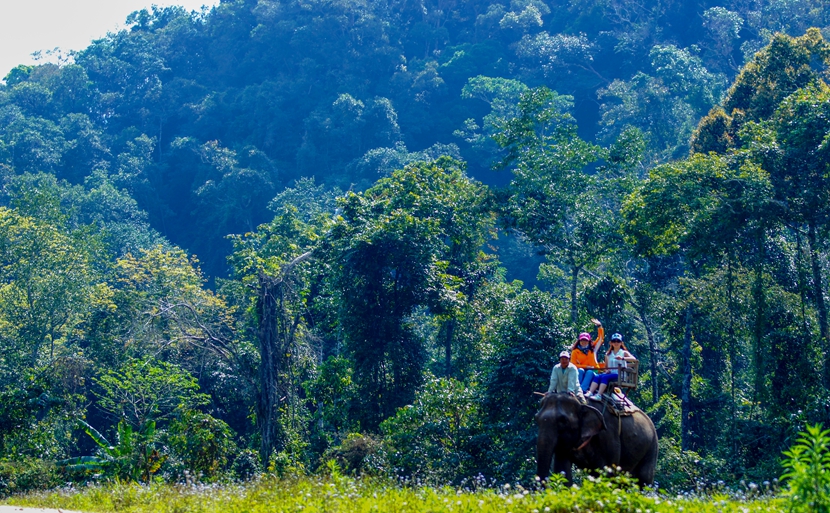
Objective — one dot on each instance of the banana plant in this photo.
(131, 457)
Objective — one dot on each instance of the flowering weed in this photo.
(337, 493)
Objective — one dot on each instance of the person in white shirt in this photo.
(565, 377)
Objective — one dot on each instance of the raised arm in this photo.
(600, 335)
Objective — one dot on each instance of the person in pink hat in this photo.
(584, 355)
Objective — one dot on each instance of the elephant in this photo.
(574, 433)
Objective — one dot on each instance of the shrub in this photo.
(679, 470)
(429, 440)
(356, 455)
(201, 444)
(246, 465)
(27, 475)
(293, 458)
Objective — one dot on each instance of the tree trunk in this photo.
(641, 307)
(686, 387)
(450, 327)
(759, 296)
(269, 366)
(652, 349)
(802, 281)
(275, 335)
(574, 282)
(730, 294)
(818, 292)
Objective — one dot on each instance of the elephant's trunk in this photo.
(545, 446)
(558, 435)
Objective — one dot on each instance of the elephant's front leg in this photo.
(563, 466)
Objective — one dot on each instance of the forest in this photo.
(273, 236)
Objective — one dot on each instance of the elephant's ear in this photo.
(592, 423)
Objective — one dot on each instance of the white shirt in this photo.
(565, 380)
(614, 362)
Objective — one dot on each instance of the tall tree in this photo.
(775, 111)
(273, 263)
(412, 241)
(697, 209)
(794, 148)
(553, 201)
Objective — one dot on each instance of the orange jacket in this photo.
(582, 360)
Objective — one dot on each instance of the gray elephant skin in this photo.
(574, 433)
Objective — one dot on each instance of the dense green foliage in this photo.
(204, 117)
(403, 212)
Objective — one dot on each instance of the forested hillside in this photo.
(273, 234)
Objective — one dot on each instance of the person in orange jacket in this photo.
(584, 355)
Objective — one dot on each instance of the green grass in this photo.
(341, 494)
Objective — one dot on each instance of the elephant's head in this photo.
(566, 425)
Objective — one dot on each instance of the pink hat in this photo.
(584, 336)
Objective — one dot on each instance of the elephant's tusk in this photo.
(584, 443)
